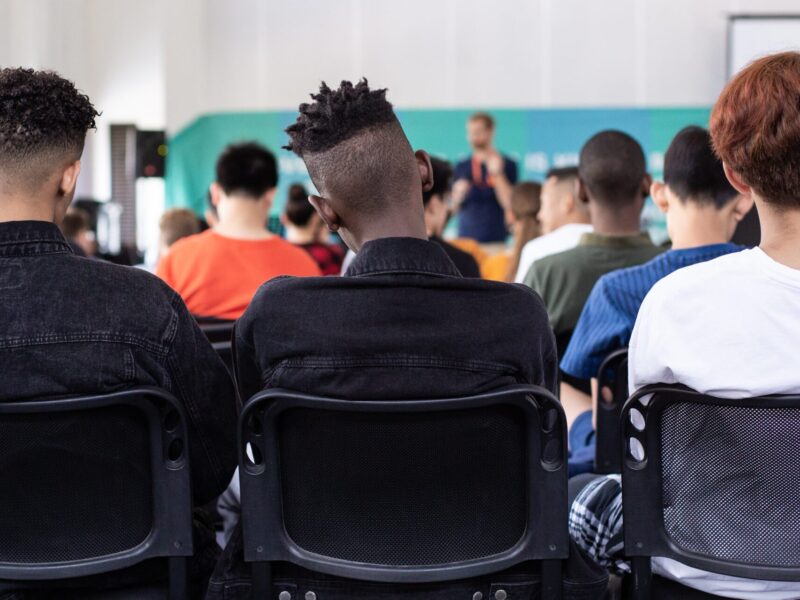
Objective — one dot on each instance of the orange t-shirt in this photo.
(217, 276)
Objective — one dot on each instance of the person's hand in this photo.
(495, 163)
(460, 190)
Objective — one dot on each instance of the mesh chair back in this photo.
(612, 376)
(404, 491)
(713, 483)
(92, 484)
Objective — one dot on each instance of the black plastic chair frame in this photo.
(265, 536)
(613, 374)
(171, 535)
(644, 531)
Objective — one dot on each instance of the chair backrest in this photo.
(217, 331)
(713, 483)
(612, 376)
(404, 491)
(92, 484)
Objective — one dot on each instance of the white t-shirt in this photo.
(564, 238)
(729, 328)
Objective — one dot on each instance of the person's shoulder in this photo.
(190, 243)
(463, 165)
(559, 259)
(123, 283)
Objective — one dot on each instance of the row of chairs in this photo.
(403, 492)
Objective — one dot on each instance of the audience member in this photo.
(437, 212)
(725, 327)
(305, 229)
(614, 183)
(702, 211)
(562, 219)
(482, 191)
(404, 304)
(523, 222)
(218, 271)
(77, 229)
(70, 326)
(174, 225)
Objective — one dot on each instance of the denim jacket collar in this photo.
(402, 255)
(29, 238)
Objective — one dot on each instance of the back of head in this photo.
(526, 199)
(247, 170)
(442, 176)
(755, 126)
(298, 209)
(74, 222)
(612, 168)
(43, 126)
(693, 172)
(355, 149)
(178, 223)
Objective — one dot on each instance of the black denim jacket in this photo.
(403, 324)
(71, 326)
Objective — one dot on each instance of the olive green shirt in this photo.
(564, 280)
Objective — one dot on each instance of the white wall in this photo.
(158, 63)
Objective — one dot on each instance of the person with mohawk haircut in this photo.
(403, 324)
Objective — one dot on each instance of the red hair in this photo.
(755, 127)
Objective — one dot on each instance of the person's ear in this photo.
(69, 179)
(425, 169)
(647, 182)
(215, 190)
(326, 212)
(742, 206)
(736, 180)
(658, 191)
(269, 196)
(583, 193)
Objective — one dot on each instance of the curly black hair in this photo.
(336, 115)
(41, 112)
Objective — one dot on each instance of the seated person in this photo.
(523, 223)
(702, 211)
(70, 326)
(77, 229)
(174, 225)
(725, 327)
(437, 212)
(404, 324)
(562, 219)
(306, 230)
(218, 271)
(613, 183)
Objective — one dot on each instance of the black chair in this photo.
(711, 483)
(404, 491)
(93, 485)
(613, 376)
(216, 330)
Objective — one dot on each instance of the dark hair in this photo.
(442, 173)
(612, 167)
(485, 117)
(755, 126)
(298, 209)
(43, 118)
(336, 115)
(247, 168)
(693, 172)
(562, 173)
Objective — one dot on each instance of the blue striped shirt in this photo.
(609, 314)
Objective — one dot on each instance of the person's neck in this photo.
(699, 226)
(574, 220)
(780, 234)
(244, 225)
(300, 235)
(621, 223)
(391, 227)
(13, 208)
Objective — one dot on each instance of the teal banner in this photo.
(537, 138)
